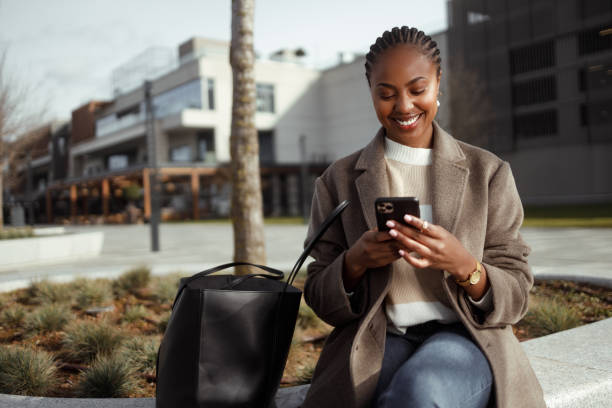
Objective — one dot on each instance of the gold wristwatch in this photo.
(473, 278)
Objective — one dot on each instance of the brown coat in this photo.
(475, 198)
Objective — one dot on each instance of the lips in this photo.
(409, 122)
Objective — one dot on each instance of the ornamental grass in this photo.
(25, 371)
(92, 293)
(109, 376)
(132, 281)
(48, 318)
(13, 316)
(85, 340)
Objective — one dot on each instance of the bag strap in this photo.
(276, 275)
(317, 236)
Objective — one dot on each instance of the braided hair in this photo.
(404, 35)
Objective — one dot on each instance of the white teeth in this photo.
(407, 122)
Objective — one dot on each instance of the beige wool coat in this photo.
(475, 198)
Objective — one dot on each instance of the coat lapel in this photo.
(449, 179)
(373, 182)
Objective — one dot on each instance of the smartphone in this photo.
(394, 208)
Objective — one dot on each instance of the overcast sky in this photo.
(65, 50)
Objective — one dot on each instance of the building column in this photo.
(49, 206)
(105, 197)
(73, 202)
(276, 195)
(293, 195)
(146, 186)
(195, 194)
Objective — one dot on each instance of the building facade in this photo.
(545, 67)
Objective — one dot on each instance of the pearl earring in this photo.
(438, 102)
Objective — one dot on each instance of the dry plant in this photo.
(132, 281)
(92, 293)
(85, 340)
(45, 292)
(141, 353)
(48, 318)
(109, 376)
(13, 316)
(550, 315)
(24, 371)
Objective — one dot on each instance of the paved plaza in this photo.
(191, 247)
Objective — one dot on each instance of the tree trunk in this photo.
(1, 197)
(247, 214)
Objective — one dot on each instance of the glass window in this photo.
(186, 96)
(210, 85)
(117, 161)
(206, 146)
(266, 146)
(180, 154)
(265, 98)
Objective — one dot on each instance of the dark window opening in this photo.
(132, 110)
(206, 146)
(592, 8)
(266, 146)
(532, 57)
(210, 86)
(595, 40)
(535, 91)
(537, 124)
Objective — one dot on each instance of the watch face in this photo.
(475, 277)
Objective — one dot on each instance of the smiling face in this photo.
(404, 85)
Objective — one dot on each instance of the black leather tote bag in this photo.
(228, 337)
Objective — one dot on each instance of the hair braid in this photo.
(403, 35)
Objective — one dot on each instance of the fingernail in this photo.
(390, 224)
(393, 233)
(401, 252)
(408, 218)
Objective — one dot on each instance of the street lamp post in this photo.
(152, 156)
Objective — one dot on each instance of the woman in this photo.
(422, 316)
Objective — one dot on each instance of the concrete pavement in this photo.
(584, 254)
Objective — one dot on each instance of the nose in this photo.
(404, 103)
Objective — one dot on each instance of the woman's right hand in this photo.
(372, 250)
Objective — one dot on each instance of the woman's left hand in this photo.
(437, 248)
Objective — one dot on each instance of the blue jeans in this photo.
(433, 365)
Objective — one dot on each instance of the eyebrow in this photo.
(386, 85)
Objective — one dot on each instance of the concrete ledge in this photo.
(573, 366)
(45, 249)
(285, 398)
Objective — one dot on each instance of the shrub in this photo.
(163, 322)
(83, 341)
(92, 293)
(141, 353)
(134, 313)
(306, 317)
(25, 371)
(45, 292)
(13, 316)
(550, 315)
(48, 318)
(14, 233)
(108, 377)
(132, 281)
(164, 288)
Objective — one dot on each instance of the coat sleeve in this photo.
(505, 255)
(324, 289)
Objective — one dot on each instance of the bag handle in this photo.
(276, 275)
(322, 229)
